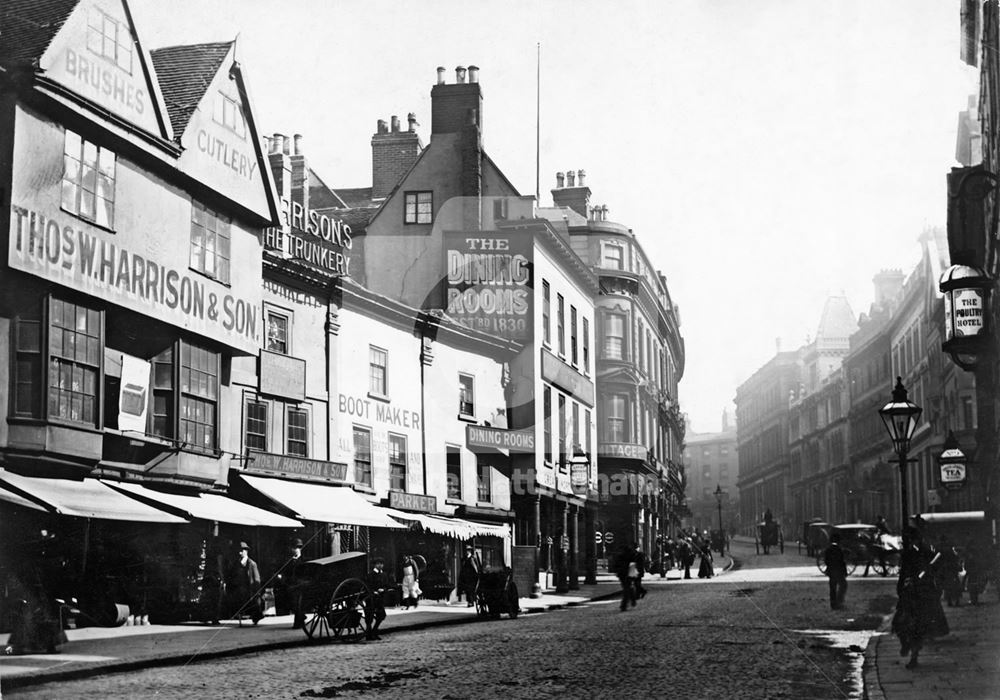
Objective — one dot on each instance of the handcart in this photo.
(496, 593)
(334, 598)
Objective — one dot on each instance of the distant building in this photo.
(711, 462)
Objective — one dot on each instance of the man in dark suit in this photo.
(378, 582)
(243, 585)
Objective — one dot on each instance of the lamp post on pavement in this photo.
(719, 493)
(900, 417)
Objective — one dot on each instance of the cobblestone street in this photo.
(750, 633)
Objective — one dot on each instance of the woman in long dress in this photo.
(919, 614)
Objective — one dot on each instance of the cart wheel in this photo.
(317, 625)
(821, 564)
(351, 608)
(513, 607)
(851, 559)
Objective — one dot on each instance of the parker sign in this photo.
(489, 282)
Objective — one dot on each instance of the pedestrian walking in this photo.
(640, 564)
(836, 571)
(468, 576)
(686, 555)
(411, 585)
(243, 586)
(918, 611)
(947, 566)
(627, 569)
(378, 582)
(290, 580)
(705, 568)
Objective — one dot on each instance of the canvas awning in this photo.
(11, 497)
(88, 498)
(325, 504)
(451, 527)
(208, 506)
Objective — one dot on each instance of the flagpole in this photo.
(538, 128)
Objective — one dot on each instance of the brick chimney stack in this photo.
(450, 104)
(575, 195)
(281, 167)
(300, 172)
(393, 153)
(888, 286)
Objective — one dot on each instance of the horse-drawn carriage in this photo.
(862, 547)
(496, 593)
(332, 594)
(767, 535)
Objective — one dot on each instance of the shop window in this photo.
(277, 331)
(189, 415)
(614, 336)
(572, 336)
(419, 208)
(547, 417)
(298, 432)
(453, 464)
(110, 39)
(363, 455)
(229, 113)
(88, 182)
(256, 426)
(586, 346)
(397, 462)
(484, 481)
(561, 324)
(210, 235)
(546, 313)
(466, 396)
(378, 367)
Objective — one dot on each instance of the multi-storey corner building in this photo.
(640, 360)
(454, 235)
(711, 462)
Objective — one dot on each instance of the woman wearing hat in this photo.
(243, 586)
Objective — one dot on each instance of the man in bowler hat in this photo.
(291, 578)
(243, 585)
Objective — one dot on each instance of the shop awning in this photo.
(325, 504)
(451, 527)
(88, 498)
(11, 497)
(208, 506)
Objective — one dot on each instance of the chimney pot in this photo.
(411, 119)
(286, 145)
(473, 74)
(460, 74)
(266, 141)
(276, 143)
(440, 71)
(382, 128)
(580, 174)
(560, 178)
(570, 178)
(298, 144)
(395, 124)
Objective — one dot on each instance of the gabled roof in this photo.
(357, 218)
(185, 72)
(27, 27)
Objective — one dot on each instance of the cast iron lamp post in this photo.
(900, 417)
(719, 493)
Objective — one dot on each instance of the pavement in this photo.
(964, 664)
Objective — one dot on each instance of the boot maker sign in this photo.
(312, 238)
(489, 282)
(53, 248)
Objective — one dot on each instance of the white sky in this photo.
(767, 153)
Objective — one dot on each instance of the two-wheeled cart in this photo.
(334, 598)
(496, 594)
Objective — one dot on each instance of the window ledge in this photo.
(466, 418)
(379, 397)
(454, 502)
(364, 488)
(210, 277)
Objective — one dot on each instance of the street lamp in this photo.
(900, 417)
(719, 493)
(953, 463)
(966, 291)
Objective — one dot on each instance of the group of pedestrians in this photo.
(689, 547)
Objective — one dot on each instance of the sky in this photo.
(767, 154)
